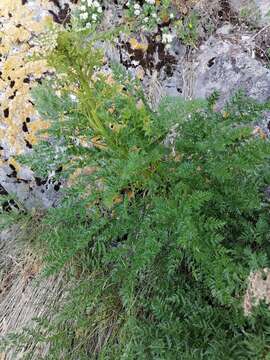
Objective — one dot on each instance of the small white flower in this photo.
(135, 63)
(151, 2)
(83, 16)
(99, 10)
(171, 16)
(94, 17)
(72, 96)
(88, 25)
(146, 19)
(89, 2)
(167, 38)
(83, 8)
(137, 6)
(154, 15)
(137, 12)
(96, 4)
(170, 38)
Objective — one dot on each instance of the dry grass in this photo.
(23, 295)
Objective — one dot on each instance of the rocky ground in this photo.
(231, 54)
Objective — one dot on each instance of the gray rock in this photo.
(226, 29)
(26, 191)
(160, 70)
(264, 7)
(225, 67)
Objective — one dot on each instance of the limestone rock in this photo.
(30, 191)
(226, 29)
(226, 67)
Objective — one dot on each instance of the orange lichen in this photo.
(138, 45)
(19, 121)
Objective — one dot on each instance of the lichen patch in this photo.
(19, 25)
(258, 290)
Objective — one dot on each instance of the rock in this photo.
(226, 29)
(225, 67)
(111, 52)
(158, 68)
(112, 16)
(25, 188)
(19, 122)
(264, 7)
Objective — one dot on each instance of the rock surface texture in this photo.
(21, 23)
(227, 67)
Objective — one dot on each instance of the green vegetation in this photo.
(162, 223)
(250, 15)
(187, 29)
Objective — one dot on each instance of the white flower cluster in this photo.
(150, 14)
(167, 38)
(146, 13)
(90, 12)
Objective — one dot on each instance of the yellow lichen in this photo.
(19, 121)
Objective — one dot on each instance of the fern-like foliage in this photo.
(163, 224)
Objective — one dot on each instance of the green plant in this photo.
(187, 29)
(162, 224)
(250, 15)
(150, 13)
(87, 15)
